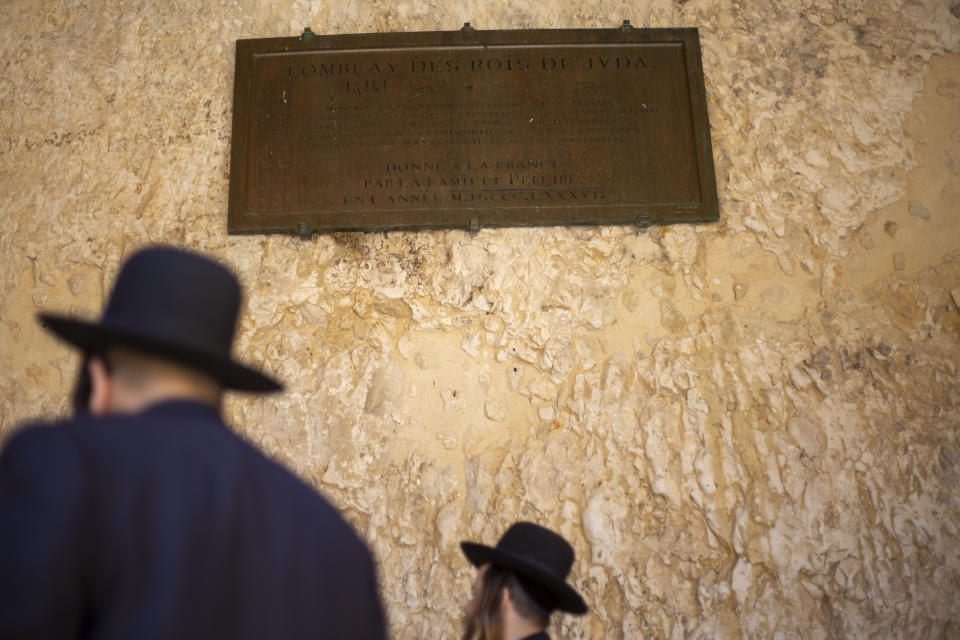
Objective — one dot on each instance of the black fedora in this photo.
(541, 560)
(174, 304)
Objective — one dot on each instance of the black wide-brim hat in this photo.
(541, 560)
(173, 304)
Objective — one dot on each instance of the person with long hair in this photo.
(519, 583)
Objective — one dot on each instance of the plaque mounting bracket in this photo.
(643, 222)
(474, 226)
(308, 35)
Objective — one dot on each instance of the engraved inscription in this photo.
(472, 180)
(331, 133)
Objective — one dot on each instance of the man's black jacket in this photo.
(169, 525)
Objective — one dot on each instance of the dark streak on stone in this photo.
(352, 240)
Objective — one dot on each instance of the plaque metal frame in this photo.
(470, 128)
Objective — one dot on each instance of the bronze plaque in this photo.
(470, 128)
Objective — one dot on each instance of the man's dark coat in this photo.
(168, 525)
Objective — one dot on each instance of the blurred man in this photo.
(147, 517)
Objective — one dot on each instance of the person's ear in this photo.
(505, 601)
(101, 387)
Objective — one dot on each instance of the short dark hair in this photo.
(485, 621)
(526, 606)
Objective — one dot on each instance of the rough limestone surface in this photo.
(746, 429)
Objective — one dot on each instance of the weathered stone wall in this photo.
(747, 429)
